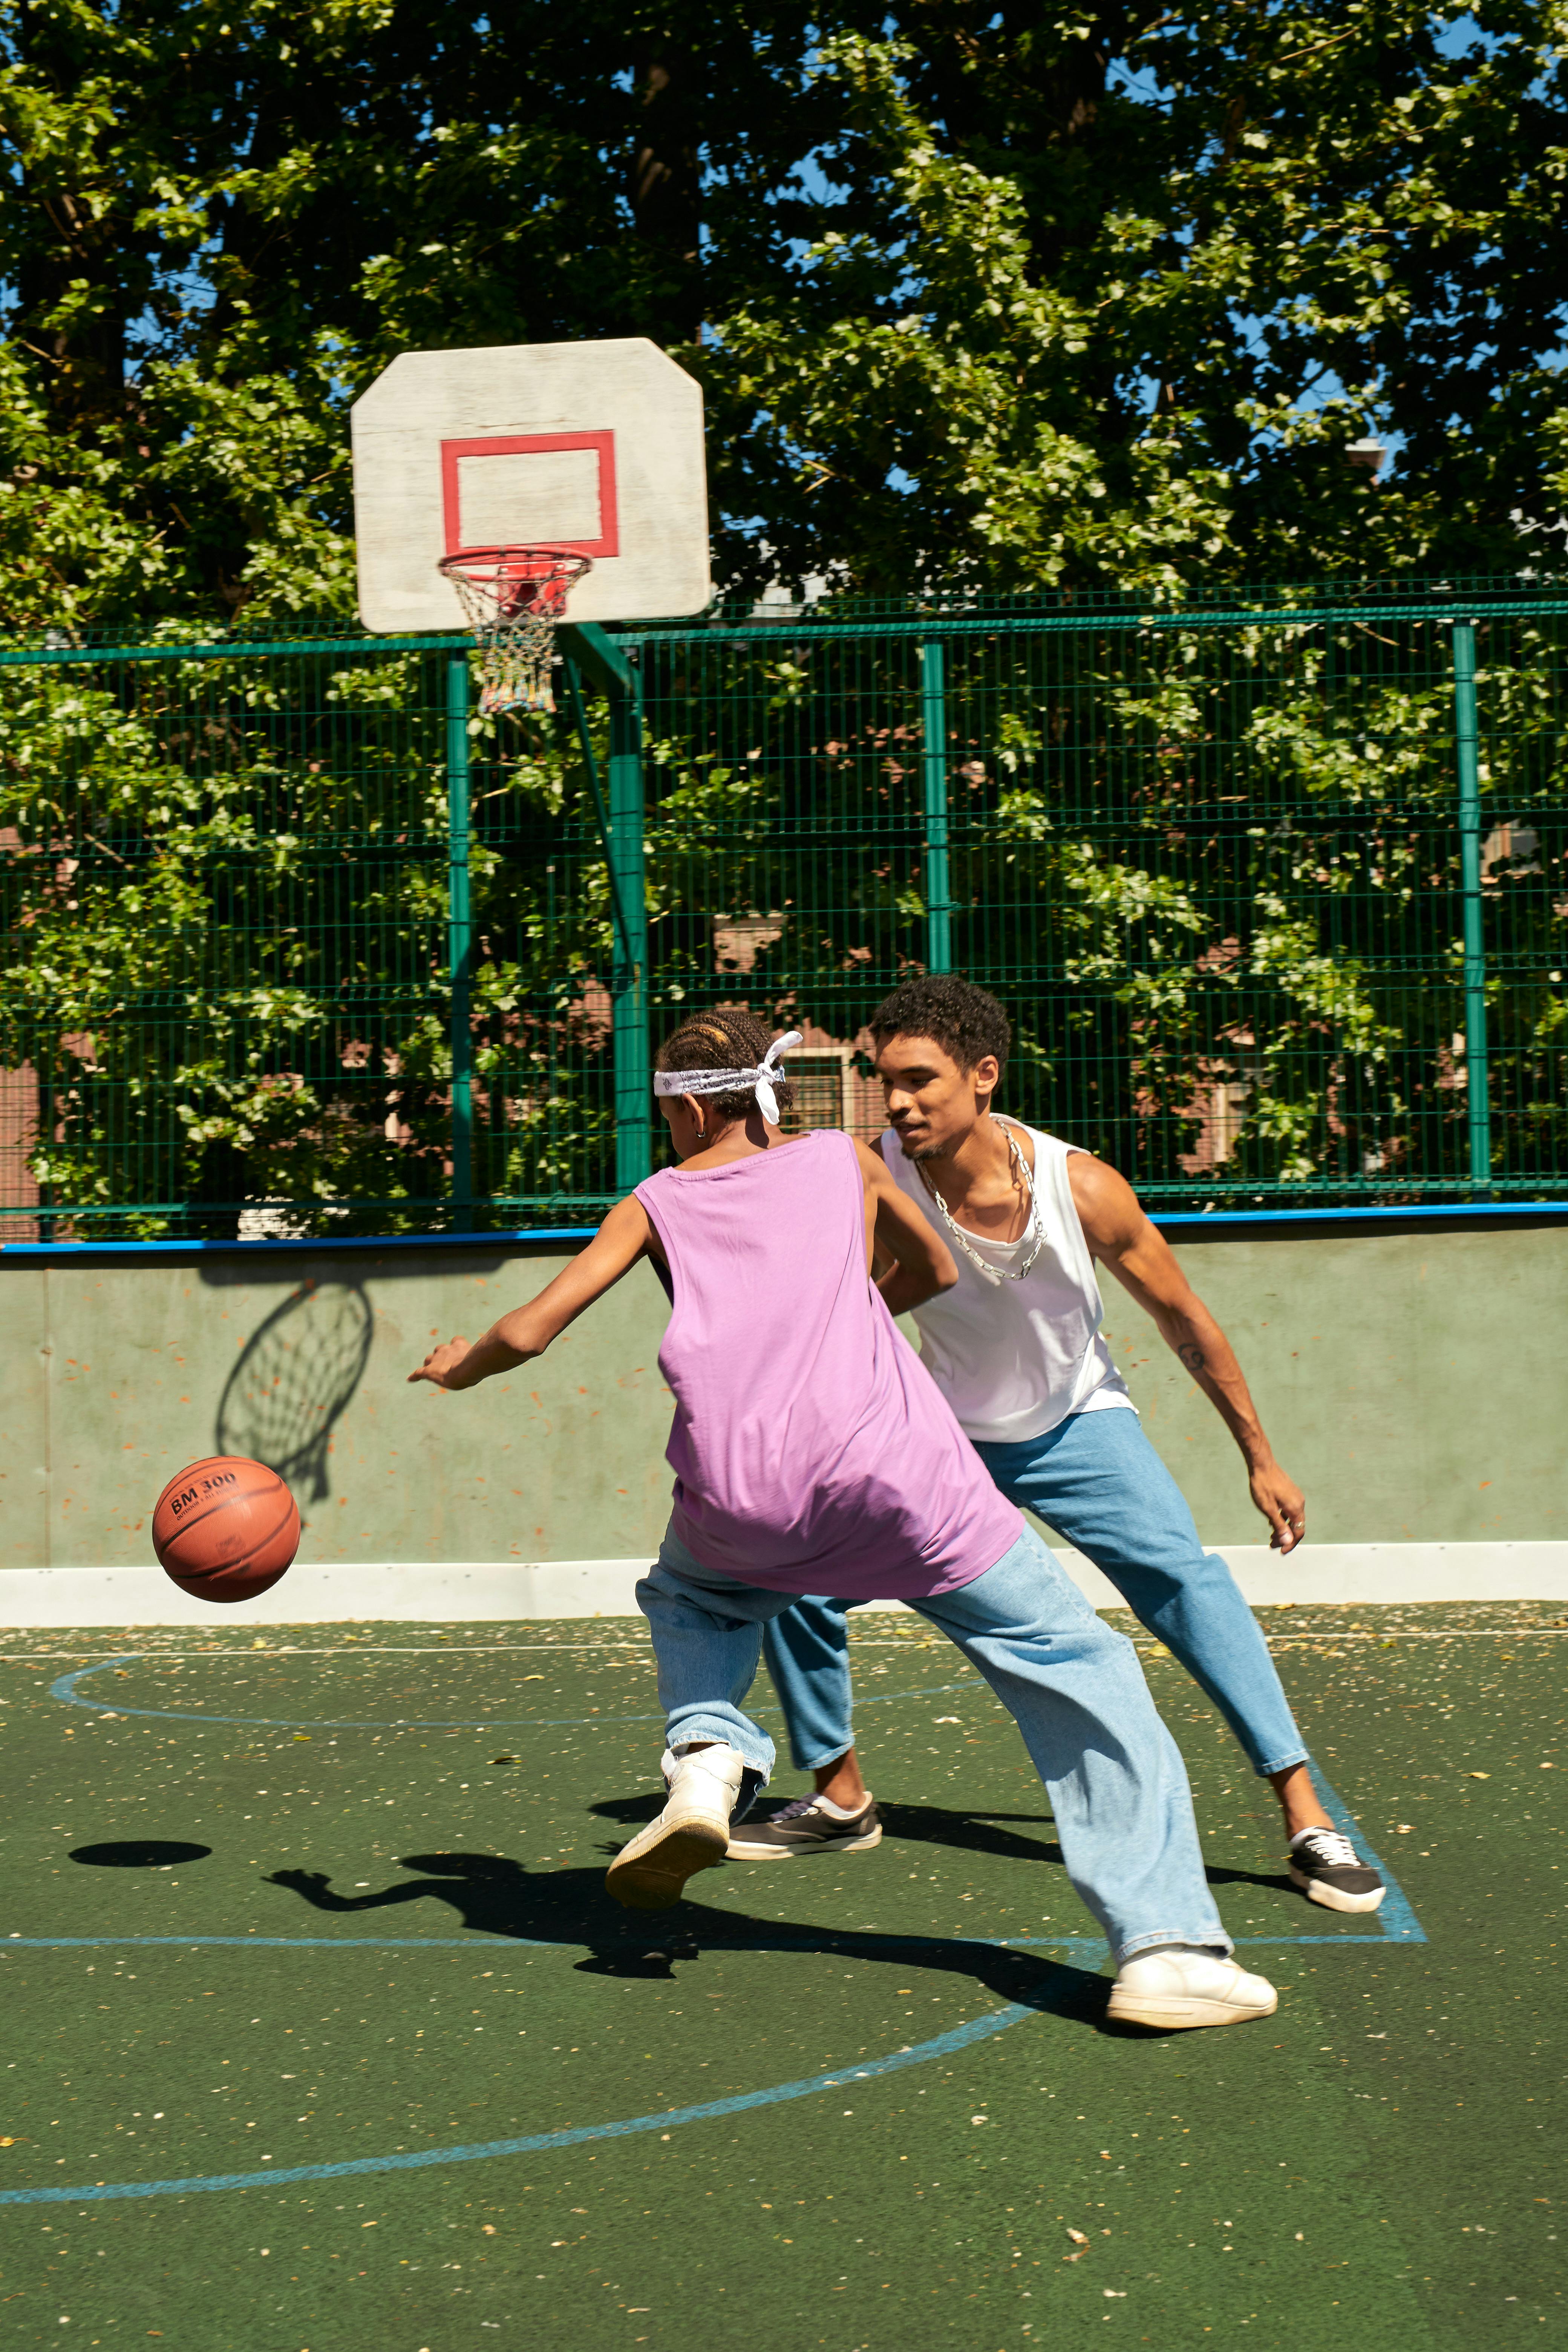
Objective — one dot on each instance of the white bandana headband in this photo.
(734, 1082)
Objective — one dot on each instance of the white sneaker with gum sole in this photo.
(650, 1872)
(1180, 1985)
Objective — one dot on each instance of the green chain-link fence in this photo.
(1276, 892)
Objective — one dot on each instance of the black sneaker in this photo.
(804, 1828)
(1326, 1868)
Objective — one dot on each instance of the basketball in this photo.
(227, 1529)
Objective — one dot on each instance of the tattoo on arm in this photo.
(1191, 1355)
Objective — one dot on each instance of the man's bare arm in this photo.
(528, 1330)
(1122, 1237)
(919, 1262)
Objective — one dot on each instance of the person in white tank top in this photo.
(1017, 1349)
(1015, 1352)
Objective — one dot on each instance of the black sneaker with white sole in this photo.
(1328, 1870)
(804, 1827)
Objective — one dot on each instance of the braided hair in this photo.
(718, 1040)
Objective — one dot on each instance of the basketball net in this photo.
(512, 598)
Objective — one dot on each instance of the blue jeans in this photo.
(1117, 1784)
(1097, 1479)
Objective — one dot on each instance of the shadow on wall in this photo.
(295, 1377)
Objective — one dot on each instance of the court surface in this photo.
(320, 2032)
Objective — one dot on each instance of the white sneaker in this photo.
(1179, 1985)
(690, 1834)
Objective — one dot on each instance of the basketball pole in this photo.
(633, 1141)
(459, 939)
(1467, 730)
(600, 813)
(933, 770)
(614, 671)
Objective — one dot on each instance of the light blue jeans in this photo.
(1116, 1783)
(1099, 1481)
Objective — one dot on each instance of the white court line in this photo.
(861, 1641)
(364, 1649)
(1455, 1633)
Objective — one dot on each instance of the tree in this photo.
(1093, 300)
(1110, 297)
(984, 304)
(216, 232)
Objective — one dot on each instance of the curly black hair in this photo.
(959, 1017)
(723, 1041)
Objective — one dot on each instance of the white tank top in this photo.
(1014, 1359)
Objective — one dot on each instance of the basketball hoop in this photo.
(512, 598)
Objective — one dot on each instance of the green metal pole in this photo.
(933, 762)
(634, 1075)
(601, 816)
(44, 1134)
(459, 941)
(1466, 734)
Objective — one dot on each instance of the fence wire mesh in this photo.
(297, 943)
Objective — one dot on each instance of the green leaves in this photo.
(1071, 302)
(1031, 303)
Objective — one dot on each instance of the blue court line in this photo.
(631, 1942)
(1396, 1918)
(480, 1941)
(1402, 1926)
(962, 2037)
(942, 2045)
(65, 1689)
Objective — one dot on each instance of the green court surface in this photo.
(321, 2033)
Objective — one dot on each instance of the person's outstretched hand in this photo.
(1282, 1504)
(442, 1362)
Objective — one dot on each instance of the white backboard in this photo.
(596, 446)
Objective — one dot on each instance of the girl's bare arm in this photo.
(528, 1330)
(922, 1265)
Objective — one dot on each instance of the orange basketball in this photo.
(226, 1529)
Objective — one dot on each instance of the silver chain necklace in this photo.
(993, 1273)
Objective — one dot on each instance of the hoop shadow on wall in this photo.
(295, 1378)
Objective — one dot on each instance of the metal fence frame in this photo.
(610, 666)
(933, 635)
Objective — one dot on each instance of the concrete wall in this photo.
(112, 1377)
(1409, 1380)
(1413, 1381)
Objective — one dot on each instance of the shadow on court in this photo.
(947, 1826)
(493, 1895)
(1277, 1882)
(139, 1853)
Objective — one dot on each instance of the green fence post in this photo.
(933, 763)
(459, 940)
(43, 1133)
(1466, 730)
(601, 815)
(634, 1078)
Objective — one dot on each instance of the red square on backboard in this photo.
(522, 445)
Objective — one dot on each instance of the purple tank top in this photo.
(812, 1450)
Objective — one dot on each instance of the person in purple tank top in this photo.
(813, 1452)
